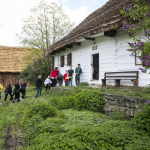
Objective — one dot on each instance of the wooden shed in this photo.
(11, 63)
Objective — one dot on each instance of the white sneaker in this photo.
(21, 99)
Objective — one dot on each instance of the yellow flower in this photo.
(23, 118)
(22, 121)
(12, 121)
(3, 116)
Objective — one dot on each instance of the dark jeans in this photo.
(60, 82)
(11, 96)
(23, 91)
(17, 97)
(0, 95)
(70, 81)
(38, 89)
(66, 83)
(77, 79)
(54, 82)
(48, 87)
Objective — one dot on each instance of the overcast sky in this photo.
(13, 11)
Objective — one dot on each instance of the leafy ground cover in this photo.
(62, 121)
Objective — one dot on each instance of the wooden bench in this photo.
(113, 76)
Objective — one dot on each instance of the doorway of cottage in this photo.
(96, 67)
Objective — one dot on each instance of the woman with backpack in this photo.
(8, 90)
(17, 91)
(54, 75)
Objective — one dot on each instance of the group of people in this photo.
(19, 87)
(56, 77)
(51, 81)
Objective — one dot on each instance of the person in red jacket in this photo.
(66, 80)
(54, 75)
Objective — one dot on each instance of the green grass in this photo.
(69, 128)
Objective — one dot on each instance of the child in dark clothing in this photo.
(23, 88)
(8, 90)
(16, 92)
(24, 84)
(38, 85)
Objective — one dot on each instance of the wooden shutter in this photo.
(62, 61)
(69, 59)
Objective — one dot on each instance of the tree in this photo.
(46, 25)
(139, 12)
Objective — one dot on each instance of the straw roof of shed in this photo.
(106, 18)
(11, 59)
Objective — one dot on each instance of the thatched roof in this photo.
(106, 18)
(11, 59)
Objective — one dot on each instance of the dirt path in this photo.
(12, 141)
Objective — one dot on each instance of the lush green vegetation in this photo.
(53, 121)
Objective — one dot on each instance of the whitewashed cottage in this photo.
(100, 46)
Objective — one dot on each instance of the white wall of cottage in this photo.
(113, 57)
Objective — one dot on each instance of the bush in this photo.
(67, 102)
(72, 92)
(118, 115)
(142, 120)
(55, 101)
(90, 100)
(42, 109)
(113, 135)
(84, 84)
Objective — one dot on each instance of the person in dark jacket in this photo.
(23, 88)
(38, 85)
(78, 72)
(60, 79)
(16, 92)
(8, 90)
(24, 84)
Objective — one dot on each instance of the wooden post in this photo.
(103, 82)
(137, 80)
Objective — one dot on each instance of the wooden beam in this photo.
(58, 51)
(63, 49)
(89, 38)
(53, 53)
(69, 46)
(111, 33)
(77, 43)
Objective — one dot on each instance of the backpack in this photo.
(6, 91)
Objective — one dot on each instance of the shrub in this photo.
(113, 135)
(84, 84)
(67, 102)
(42, 109)
(73, 92)
(55, 101)
(90, 100)
(118, 115)
(142, 120)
